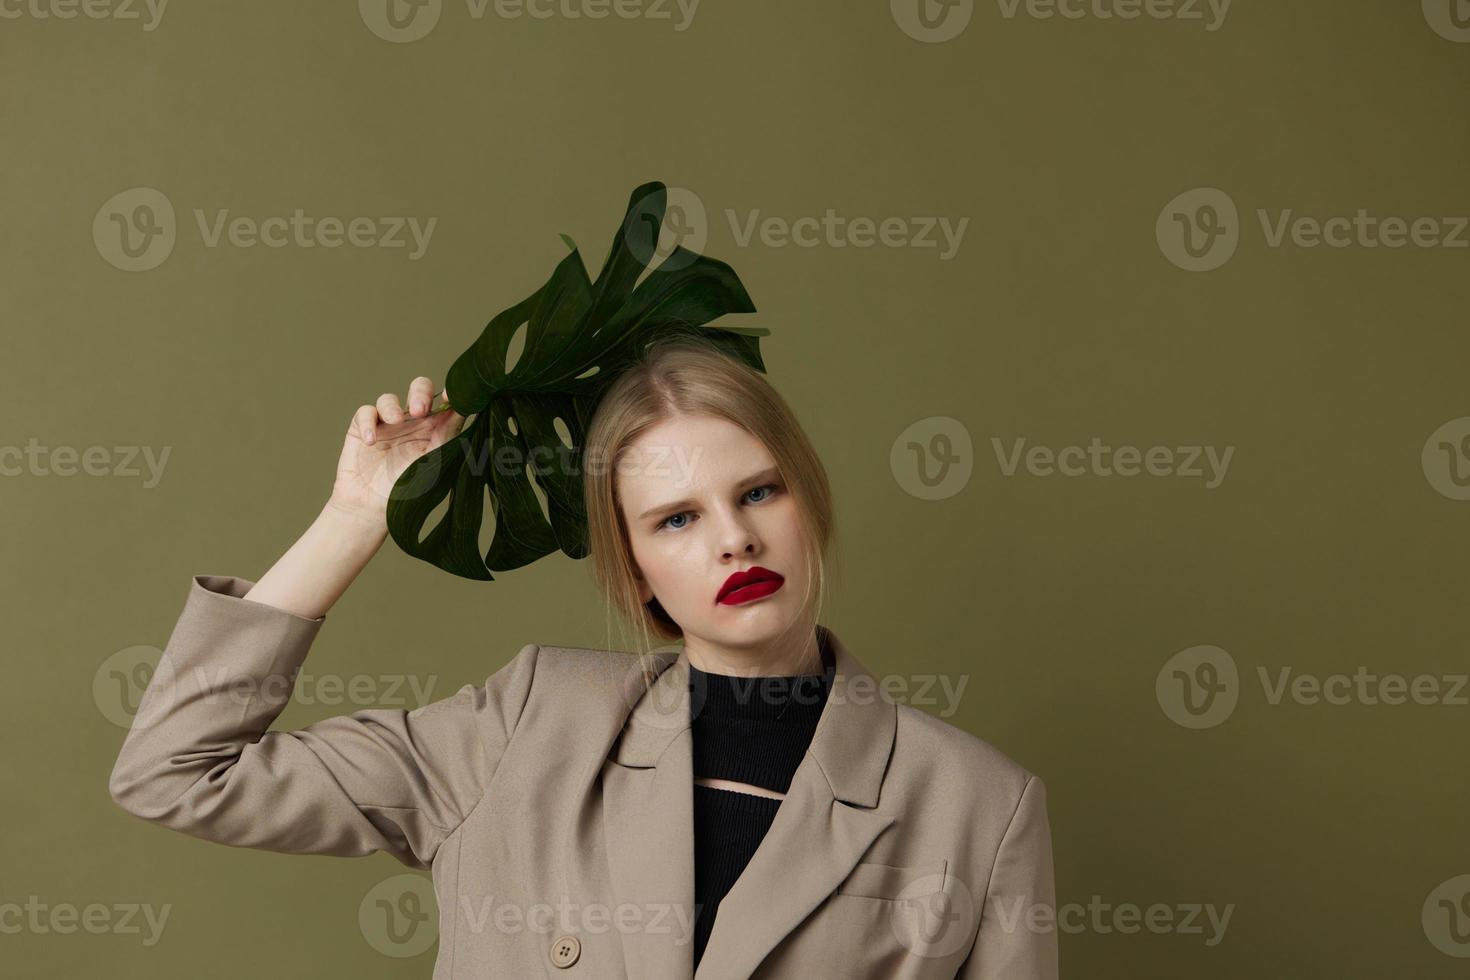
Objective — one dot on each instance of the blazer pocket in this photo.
(887, 882)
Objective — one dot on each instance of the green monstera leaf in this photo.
(579, 336)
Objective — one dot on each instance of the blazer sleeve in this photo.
(1017, 939)
(199, 757)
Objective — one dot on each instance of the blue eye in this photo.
(665, 523)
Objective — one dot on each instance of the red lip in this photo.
(752, 583)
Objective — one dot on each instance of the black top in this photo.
(753, 730)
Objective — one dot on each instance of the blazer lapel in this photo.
(648, 821)
(821, 829)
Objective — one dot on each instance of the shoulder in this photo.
(575, 682)
(933, 751)
(581, 665)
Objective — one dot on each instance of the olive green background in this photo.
(1060, 318)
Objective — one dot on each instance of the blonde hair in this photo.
(687, 375)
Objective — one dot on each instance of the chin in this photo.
(758, 622)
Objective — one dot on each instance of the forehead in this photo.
(686, 456)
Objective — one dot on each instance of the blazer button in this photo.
(564, 951)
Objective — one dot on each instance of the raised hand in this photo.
(383, 440)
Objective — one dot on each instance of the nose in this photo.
(736, 534)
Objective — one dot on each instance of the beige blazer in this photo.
(553, 806)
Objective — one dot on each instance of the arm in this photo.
(314, 572)
(199, 758)
(1008, 946)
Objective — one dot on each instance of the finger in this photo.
(439, 403)
(420, 393)
(389, 408)
(365, 423)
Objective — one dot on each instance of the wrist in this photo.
(355, 520)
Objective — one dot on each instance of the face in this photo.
(702, 499)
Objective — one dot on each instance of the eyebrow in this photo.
(769, 473)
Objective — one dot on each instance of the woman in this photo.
(750, 806)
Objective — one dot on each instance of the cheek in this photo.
(785, 537)
(646, 559)
(662, 561)
(783, 524)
